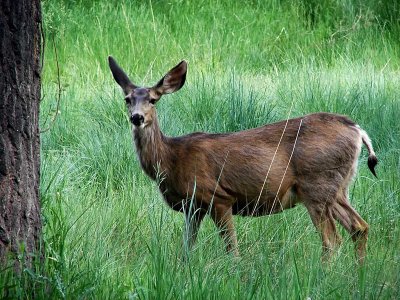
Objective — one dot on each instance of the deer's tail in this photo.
(372, 159)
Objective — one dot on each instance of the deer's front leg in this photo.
(193, 218)
(223, 219)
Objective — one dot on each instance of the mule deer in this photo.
(260, 171)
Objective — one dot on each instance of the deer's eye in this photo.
(127, 100)
(153, 101)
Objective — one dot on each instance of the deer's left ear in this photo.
(173, 80)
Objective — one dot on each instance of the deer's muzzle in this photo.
(137, 119)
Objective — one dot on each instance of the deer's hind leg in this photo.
(346, 215)
(318, 197)
(322, 218)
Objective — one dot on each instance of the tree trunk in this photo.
(20, 49)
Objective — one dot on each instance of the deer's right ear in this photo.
(120, 77)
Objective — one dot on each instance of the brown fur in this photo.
(260, 171)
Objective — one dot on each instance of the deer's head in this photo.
(141, 100)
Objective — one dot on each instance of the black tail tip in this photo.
(372, 162)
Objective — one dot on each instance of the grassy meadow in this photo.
(107, 233)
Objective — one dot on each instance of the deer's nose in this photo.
(137, 119)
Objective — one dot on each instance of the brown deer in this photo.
(260, 171)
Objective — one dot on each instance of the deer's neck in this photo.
(152, 150)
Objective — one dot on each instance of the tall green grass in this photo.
(107, 232)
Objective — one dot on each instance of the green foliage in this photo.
(108, 234)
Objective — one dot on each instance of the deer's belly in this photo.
(267, 204)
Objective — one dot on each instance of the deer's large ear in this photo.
(120, 77)
(173, 80)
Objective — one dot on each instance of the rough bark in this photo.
(20, 50)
